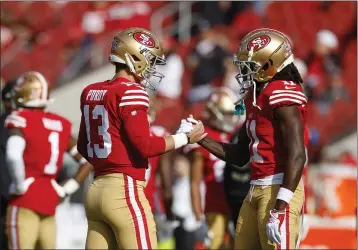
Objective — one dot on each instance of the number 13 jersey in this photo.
(268, 154)
(114, 134)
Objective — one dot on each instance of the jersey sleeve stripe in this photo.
(285, 99)
(17, 117)
(136, 91)
(288, 95)
(133, 104)
(135, 97)
(16, 123)
(289, 92)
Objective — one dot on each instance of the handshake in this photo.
(193, 129)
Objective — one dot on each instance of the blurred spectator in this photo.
(184, 234)
(4, 173)
(324, 83)
(220, 12)
(171, 85)
(207, 62)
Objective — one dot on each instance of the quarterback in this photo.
(275, 134)
(34, 152)
(220, 122)
(114, 137)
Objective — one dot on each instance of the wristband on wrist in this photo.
(180, 140)
(71, 186)
(285, 195)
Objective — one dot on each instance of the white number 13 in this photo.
(102, 131)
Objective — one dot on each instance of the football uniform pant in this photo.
(254, 214)
(27, 229)
(118, 214)
(217, 226)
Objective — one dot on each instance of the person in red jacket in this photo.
(114, 137)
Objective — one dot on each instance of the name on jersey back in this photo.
(50, 124)
(96, 95)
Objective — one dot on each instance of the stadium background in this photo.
(69, 43)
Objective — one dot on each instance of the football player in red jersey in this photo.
(272, 142)
(158, 164)
(34, 152)
(114, 136)
(220, 122)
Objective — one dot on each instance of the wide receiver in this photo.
(275, 134)
(35, 148)
(220, 122)
(114, 136)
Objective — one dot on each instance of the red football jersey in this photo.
(151, 172)
(114, 134)
(215, 198)
(47, 136)
(267, 151)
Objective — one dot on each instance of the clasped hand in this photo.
(193, 128)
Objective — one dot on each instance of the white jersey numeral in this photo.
(218, 167)
(101, 152)
(54, 139)
(251, 126)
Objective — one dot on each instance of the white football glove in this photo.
(186, 125)
(70, 187)
(22, 187)
(273, 225)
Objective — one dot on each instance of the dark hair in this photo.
(289, 73)
(120, 66)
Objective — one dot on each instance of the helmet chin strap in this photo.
(254, 102)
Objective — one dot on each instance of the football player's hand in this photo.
(273, 226)
(197, 134)
(185, 127)
(58, 188)
(21, 188)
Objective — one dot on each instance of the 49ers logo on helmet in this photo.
(144, 39)
(259, 42)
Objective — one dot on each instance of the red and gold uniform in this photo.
(150, 188)
(216, 207)
(267, 161)
(115, 138)
(31, 215)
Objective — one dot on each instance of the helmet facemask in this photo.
(152, 78)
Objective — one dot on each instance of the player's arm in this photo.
(82, 135)
(292, 130)
(165, 172)
(82, 140)
(196, 175)
(73, 184)
(15, 148)
(233, 153)
(136, 126)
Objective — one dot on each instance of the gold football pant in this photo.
(254, 214)
(27, 229)
(119, 215)
(217, 224)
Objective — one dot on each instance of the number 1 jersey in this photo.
(47, 136)
(114, 134)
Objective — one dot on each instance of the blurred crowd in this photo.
(69, 39)
(78, 34)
